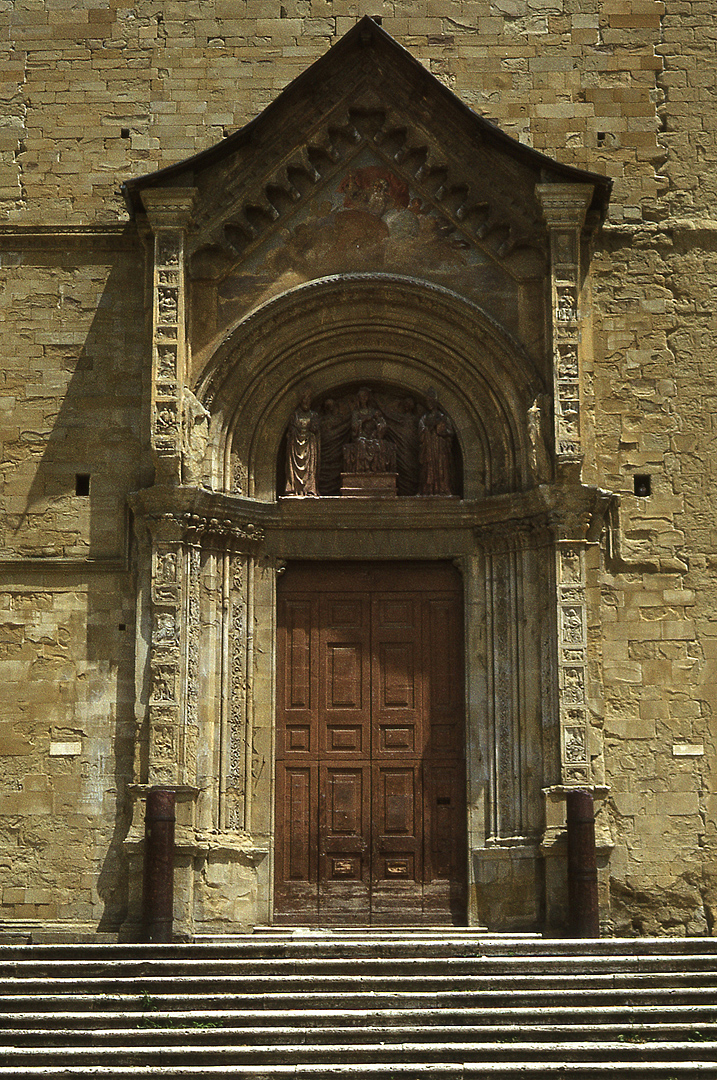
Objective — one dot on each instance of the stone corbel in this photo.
(565, 207)
(168, 211)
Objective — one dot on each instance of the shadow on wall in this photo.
(90, 452)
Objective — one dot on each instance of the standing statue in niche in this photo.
(539, 455)
(436, 453)
(303, 449)
(195, 436)
(369, 451)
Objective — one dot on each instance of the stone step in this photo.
(395, 1006)
(350, 947)
(698, 963)
(703, 1015)
(616, 1070)
(209, 1032)
(578, 999)
(161, 986)
(370, 1053)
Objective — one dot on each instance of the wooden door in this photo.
(370, 781)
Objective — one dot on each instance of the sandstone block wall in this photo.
(94, 93)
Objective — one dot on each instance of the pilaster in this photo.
(565, 207)
(168, 211)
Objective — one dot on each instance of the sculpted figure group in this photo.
(368, 432)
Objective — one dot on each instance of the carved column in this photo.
(168, 211)
(235, 776)
(167, 674)
(572, 660)
(515, 555)
(565, 207)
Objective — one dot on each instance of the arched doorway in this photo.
(237, 538)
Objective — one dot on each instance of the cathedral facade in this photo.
(357, 435)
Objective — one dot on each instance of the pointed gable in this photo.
(365, 163)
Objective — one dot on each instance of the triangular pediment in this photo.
(366, 162)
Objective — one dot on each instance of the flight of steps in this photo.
(394, 1005)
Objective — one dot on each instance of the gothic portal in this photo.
(365, 550)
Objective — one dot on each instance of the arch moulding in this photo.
(375, 329)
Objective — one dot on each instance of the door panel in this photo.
(297, 822)
(370, 784)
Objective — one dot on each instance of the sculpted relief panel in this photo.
(346, 443)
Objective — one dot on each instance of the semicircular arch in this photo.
(378, 329)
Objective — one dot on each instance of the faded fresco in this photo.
(367, 219)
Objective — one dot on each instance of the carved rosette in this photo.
(572, 661)
(168, 211)
(565, 207)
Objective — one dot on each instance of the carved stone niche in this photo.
(370, 441)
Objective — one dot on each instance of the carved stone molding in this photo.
(565, 207)
(168, 212)
(235, 790)
(572, 661)
(168, 208)
(515, 535)
(195, 530)
(197, 517)
(543, 516)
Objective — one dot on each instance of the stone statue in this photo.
(436, 435)
(195, 436)
(303, 449)
(539, 455)
(368, 451)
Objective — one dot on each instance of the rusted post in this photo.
(583, 912)
(158, 898)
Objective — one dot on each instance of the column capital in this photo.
(565, 205)
(170, 207)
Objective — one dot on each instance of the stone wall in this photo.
(93, 94)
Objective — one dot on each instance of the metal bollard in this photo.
(158, 895)
(583, 911)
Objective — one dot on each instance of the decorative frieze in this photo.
(518, 535)
(168, 211)
(572, 661)
(565, 207)
(165, 660)
(192, 620)
(235, 782)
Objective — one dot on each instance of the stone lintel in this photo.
(169, 208)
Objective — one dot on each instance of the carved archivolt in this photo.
(363, 329)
